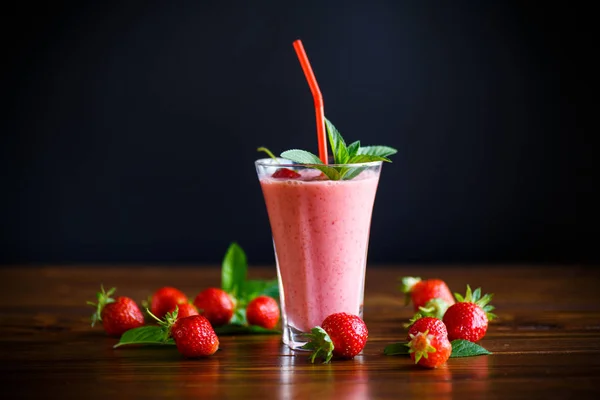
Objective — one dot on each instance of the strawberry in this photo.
(285, 173)
(186, 310)
(216, 305)
(428, 343)
(165, 300)
(430, 297)
(117, 315)
(263, 311)
(468, 318)
(194, 336)
(341, 334)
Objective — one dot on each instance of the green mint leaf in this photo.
(305, 157)
(145, 335)
(365, 158)
(353, 148)
(234, 270)
(272, 289)
(239, 316)
(395, 349)
(351, 173)
(382, 151)
(256, 287)
(237, 329)
(464, 348)
(301, 157)
(338, 145)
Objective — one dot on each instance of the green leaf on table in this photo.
(234, 270)
(382, 151)
(272, 289)
(256, 287)
(145, 335)
(239, 315)
(464, 348)
(236, 329)
(395, 349)
(338, 145)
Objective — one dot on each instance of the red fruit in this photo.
(428, 343)
(186, 310)
(263, 311)
(422, 292)
(468, 319)
(341, 334)
(195, 337)
(165, 300)
(285, 173)
(435, 327)
(216, 305)
(117, 315)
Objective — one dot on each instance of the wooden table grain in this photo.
(545, 343)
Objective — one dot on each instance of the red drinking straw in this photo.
(318, 99)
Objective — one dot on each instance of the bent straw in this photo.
(317, 97)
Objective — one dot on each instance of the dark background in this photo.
(129, 129)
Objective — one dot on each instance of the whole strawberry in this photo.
(263, 311)
(468, 318)
(165, 300)
(194, 336)
(186, 310)
(341, 334)
(428, 343)
(117, 315)
(430, 296)
(215, 305)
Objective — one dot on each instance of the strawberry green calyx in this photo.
(476, 298)
(320, 343)
(434, 308)
(407, 285)
(420, 344)
(167, 323)
(413, 319)
(103, 298)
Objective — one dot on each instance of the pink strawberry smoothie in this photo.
(321, 233)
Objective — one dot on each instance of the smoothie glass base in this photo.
(320, 230)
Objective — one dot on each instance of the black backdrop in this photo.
(129, 129)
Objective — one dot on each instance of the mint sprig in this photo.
(342, 154)
(234, 270)
(234, 281)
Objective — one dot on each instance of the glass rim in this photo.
(268, 162)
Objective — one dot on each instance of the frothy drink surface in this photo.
(321, 234)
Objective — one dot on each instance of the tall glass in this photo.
(320, 229)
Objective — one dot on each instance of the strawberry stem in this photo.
(407, 284)
(435, 308)
(167, 323)
(104, 298)
(320, 343)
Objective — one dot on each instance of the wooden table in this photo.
(545, 344)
